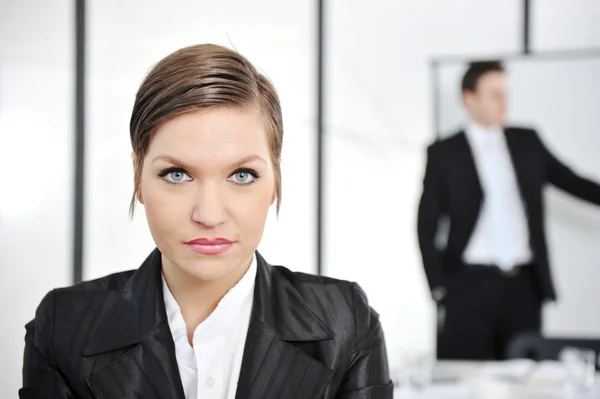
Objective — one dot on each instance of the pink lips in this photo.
(210, 246)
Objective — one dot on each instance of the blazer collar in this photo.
(279, 306)
(140, 308)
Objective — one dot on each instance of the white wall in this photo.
(380, 119)
(125, 40)
(36, 159)
(565, 24)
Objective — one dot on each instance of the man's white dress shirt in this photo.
(501, 234)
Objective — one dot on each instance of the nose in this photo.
(209, 206)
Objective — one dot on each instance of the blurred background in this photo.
(388, 86)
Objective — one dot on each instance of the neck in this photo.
(196, 298)
(485, 124)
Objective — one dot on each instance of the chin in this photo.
(203, 272)
(206, 268)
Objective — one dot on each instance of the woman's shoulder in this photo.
(78, 299)
(105, 285)
(333, 299)
(67, 311)
(314, 284)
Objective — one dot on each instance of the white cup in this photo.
(579, 364)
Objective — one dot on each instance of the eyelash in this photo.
(250, 171)
(171, 170)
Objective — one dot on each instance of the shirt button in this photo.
(210, 382)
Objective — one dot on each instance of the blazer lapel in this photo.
(468, 183)
(519, 157)
(145, 364)
(273, 365)
(465, 161)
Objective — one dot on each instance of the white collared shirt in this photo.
(210, 370)
(501, 234)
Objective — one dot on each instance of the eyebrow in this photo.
(177, 162)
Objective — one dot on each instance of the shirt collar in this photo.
(480, 134)
(227, 311)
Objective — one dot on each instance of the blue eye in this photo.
(244, 176)
(174, 175)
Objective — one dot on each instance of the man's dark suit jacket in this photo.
(452, 188)
(309, 337)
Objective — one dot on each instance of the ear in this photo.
(467, 98)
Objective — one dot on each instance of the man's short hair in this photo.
(476, 70)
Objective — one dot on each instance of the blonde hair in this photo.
(201, 77)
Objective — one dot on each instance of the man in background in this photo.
(492, 275)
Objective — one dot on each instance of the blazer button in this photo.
(210, 382)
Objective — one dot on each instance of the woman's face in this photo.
(207, 185)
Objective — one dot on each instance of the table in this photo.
(520, 379)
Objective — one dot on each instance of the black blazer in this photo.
(309, 337)
(451, 188)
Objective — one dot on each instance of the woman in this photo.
(205, 316)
